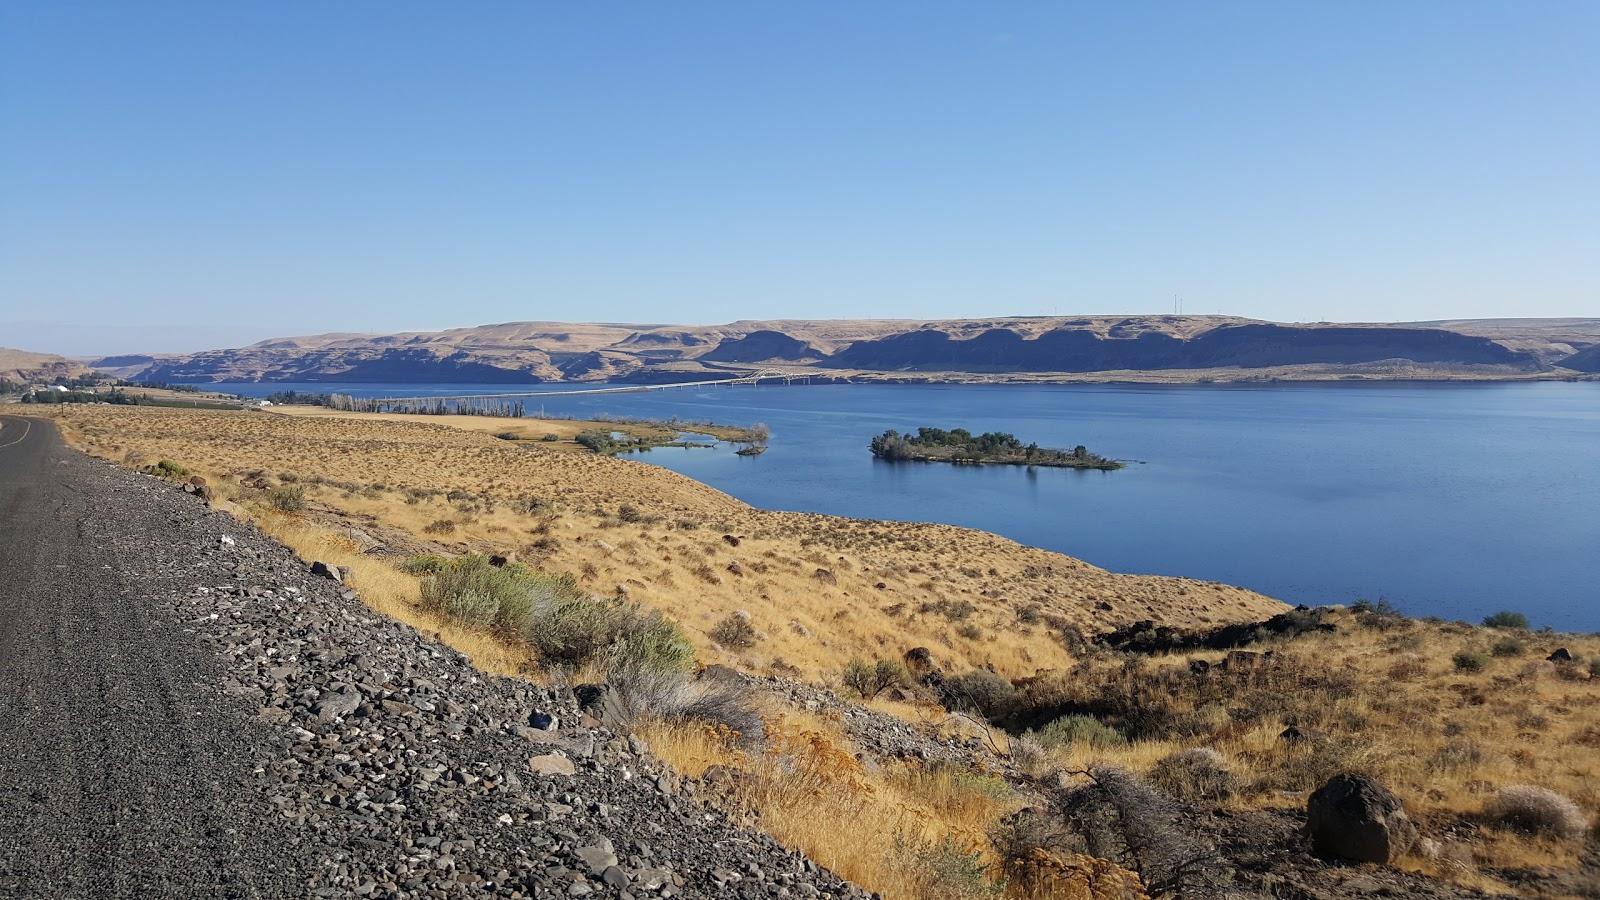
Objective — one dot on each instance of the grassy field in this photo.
(1446, 714)
(819, 589)
(559, 434)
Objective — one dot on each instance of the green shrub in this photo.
(1508, 646)
(508, 436)
(424, 564)
(1506, 619)
(983, 784)
(166, 468)
(649, 641)
(1470, 661)
(502, 590)
(565, 626)
(1069, 730)
(471, 609)
(599, 442)
(954, 610)
(869, 680)
(551, 438)
(947, 869)
(289, 498)
(734, 632)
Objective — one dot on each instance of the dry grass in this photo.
(819, 589)
(1388, 702)
(903, 822)
(914, 833)
(526, 428)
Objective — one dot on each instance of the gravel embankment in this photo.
(344, 754)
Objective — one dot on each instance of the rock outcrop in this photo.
(544, 351)
(1353, 817)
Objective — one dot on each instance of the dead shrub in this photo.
(1120, 818)
(1026, 753)
(1457, 755)
(648, 693)
(1536, 810)
(979, 691)
(1197, 774)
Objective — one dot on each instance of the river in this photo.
(1448, 500)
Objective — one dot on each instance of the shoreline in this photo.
(1143, 377)
(537, 430)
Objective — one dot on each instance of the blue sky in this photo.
(180, 176)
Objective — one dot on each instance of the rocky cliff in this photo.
(544, 351)
(1587, 360)
(1249, 346)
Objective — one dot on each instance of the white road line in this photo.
(26, 427)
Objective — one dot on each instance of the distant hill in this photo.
(1221, 347)
(1245, 346)
(23, 365)
(1584, 360)
(761, 346)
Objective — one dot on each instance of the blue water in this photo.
(1449, 500)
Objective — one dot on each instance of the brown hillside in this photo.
(820, 589)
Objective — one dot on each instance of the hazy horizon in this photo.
(184, 176)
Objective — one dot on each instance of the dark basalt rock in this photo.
(1353, 817)
(1148, 637)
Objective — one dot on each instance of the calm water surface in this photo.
(1451, 500)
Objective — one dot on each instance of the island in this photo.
(961, 446)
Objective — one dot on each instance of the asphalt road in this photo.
(124, 769)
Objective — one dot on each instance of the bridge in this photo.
(751, 378)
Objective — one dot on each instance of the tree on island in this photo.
(962, 446)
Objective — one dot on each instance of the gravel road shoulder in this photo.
(185, 710)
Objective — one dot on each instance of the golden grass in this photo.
(874, 828)
(819, 589)
(904, 832)
(1445, 741)
(527, 428)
